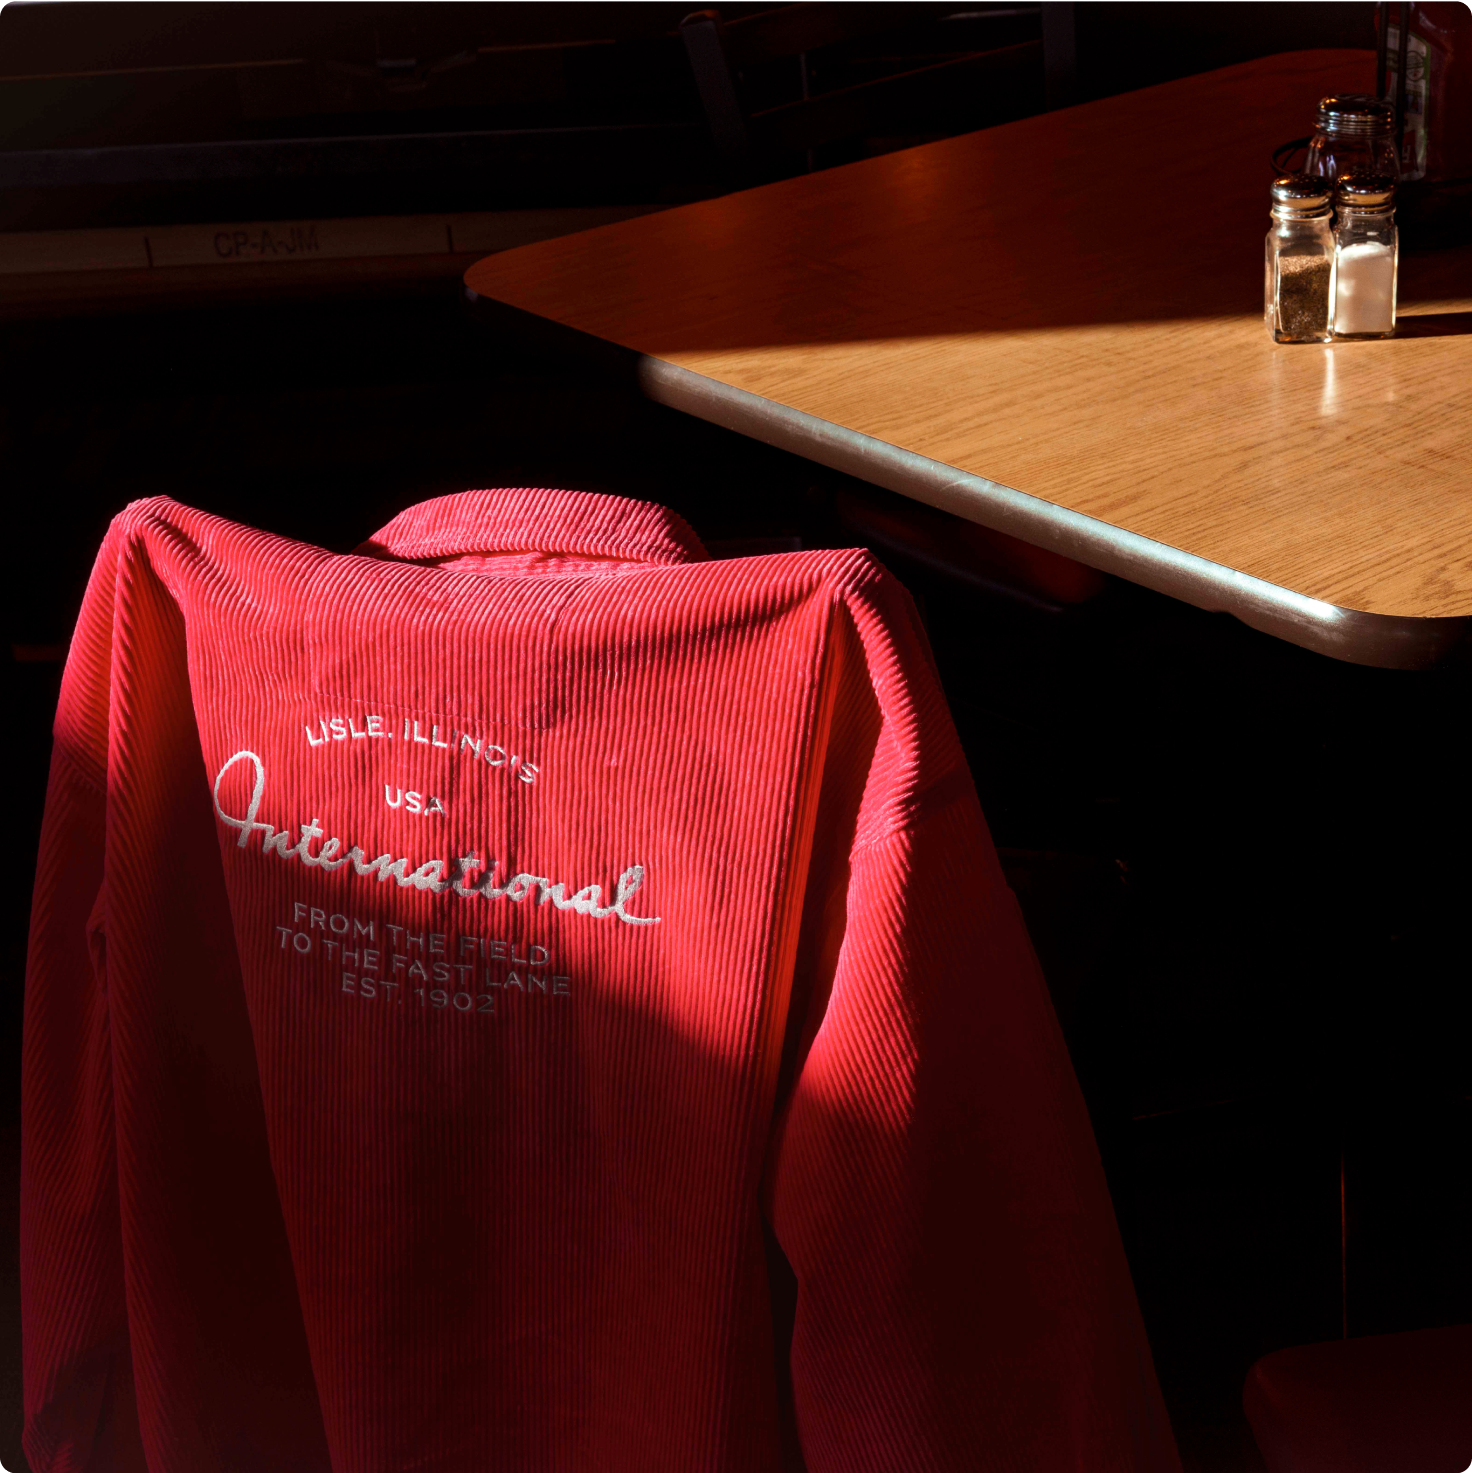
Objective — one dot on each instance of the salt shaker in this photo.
(1366, 255)
(1299, 282)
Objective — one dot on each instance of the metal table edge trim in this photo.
(1388, 641)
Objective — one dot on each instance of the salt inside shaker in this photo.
(1298, 291)
(1366, 256)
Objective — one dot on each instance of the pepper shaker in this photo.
(1366, 256)
(1298, 291)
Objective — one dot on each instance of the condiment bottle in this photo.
(1366, 255)
(1299, 282)
(1353, 134)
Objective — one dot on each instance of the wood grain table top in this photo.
(1070, 306)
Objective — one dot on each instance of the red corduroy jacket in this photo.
(528, 997)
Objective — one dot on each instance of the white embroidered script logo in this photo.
(433, 875)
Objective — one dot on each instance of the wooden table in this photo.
(1054, 328)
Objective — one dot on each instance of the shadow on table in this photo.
(1435, 325)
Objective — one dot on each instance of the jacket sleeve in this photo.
(963, 1299)
(79, 1406)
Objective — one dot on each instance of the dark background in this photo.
(1243, 864)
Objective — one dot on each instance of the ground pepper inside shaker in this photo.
(1303, 297)
(1298, 286)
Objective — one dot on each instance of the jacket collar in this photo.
(529, 529)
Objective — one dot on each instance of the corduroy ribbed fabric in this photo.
(472, 981)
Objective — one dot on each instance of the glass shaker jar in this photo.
(1298, 290)
(1353, 134)
(1366, 257)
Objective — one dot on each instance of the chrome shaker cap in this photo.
(1301, 194)
(1355, 115)
(1365, 191)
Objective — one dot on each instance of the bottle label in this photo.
(1413, 146)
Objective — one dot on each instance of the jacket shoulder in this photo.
(884, 663)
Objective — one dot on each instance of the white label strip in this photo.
(284, 242)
